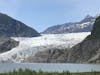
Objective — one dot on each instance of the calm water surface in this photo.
(6, 67)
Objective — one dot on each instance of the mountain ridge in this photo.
(10, 27)
(84, 25)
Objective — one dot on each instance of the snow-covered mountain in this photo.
(30, 46)
(84, 25)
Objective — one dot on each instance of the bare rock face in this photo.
(49, 56)
(96, 29)
(7, 44)
(84, 51)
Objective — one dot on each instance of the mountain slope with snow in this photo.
(84, 25)
(30, 46)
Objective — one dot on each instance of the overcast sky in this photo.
(41, 14)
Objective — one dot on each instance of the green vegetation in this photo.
(95, 33)
(29, 72)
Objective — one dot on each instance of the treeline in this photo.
(29, 72)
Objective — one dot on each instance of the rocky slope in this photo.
(7, 44)
(10, 27)
(52, 55)
(84, 25)
(88, 51)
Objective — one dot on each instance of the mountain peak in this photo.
(84, 25)
(88, 16)
(10, 27)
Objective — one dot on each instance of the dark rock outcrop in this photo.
(84, 51)
(10, 27)
(7, 44)
(96, 29)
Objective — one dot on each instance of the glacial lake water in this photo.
(50, 67)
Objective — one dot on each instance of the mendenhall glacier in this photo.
(30, 46)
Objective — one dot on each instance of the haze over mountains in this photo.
(84, 25)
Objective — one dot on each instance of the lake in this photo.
(50, 67)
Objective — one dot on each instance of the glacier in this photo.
(30, 46)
